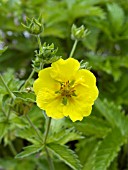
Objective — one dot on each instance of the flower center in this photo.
(66, 91)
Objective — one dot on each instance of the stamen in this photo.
(66, 90)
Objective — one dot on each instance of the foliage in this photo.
(98, 142)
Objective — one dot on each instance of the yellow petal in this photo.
(45, 80)
(50, 102)
(64, 70)
(86, 95)
(73, 110)
(85, 77)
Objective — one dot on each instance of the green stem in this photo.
(13, 150)
(4, 113)
(9, 110)
(32, 125)
(27, 81)
(39, 41)
(73, 48)
(51, 165)
(47, 129)
(7, 88)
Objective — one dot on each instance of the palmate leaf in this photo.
(116, 17)
(29, 150)
(25, 96)
(93, 126)
(62, 133)
(29, 134)
(113, 114)
(108, 149)
(4, 126)
(66, 155)
(89, 164)
(85, 150)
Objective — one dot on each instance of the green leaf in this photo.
(85, 149)
(89, 164)
(29, 134)
(93, 126)
(108, 149)
(62, 133)
(116, 17)
(66, 155)
(4, 126)
(113, 114)
(29, 150)
(25, 96)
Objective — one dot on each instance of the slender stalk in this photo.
(73, 48)
(4, 113)
(47, 129)
(27, 81)
(7, 88)
(13, 150)
(32, 125)
(9, 110)
(39, 41)
(51, 166)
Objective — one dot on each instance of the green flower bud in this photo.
(34, 26)
(47, 53)
(79, 33)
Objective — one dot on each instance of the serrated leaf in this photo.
(62, 133)
(85, 149)
(29, 134)
(108, 149)
(18, 121)
(29, 150)
(66, 155)
(89, 164)
(93, 126)
(3, 129)
(25, 96)
(116, 17)
(113, 114)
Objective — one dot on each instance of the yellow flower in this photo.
(66, 90)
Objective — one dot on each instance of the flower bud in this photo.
(78, 33)
(34, 26)
(47, 53)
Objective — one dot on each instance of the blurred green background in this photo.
(105, 48)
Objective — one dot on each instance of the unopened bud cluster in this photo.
(45, 55)
(79, 33)
(34, 26)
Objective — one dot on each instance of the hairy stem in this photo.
(32, 125)
(50, 162)
(47, 129)
(39, 41)
(27, 81)
(73, 48)
(7, 88)
(13, 150)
